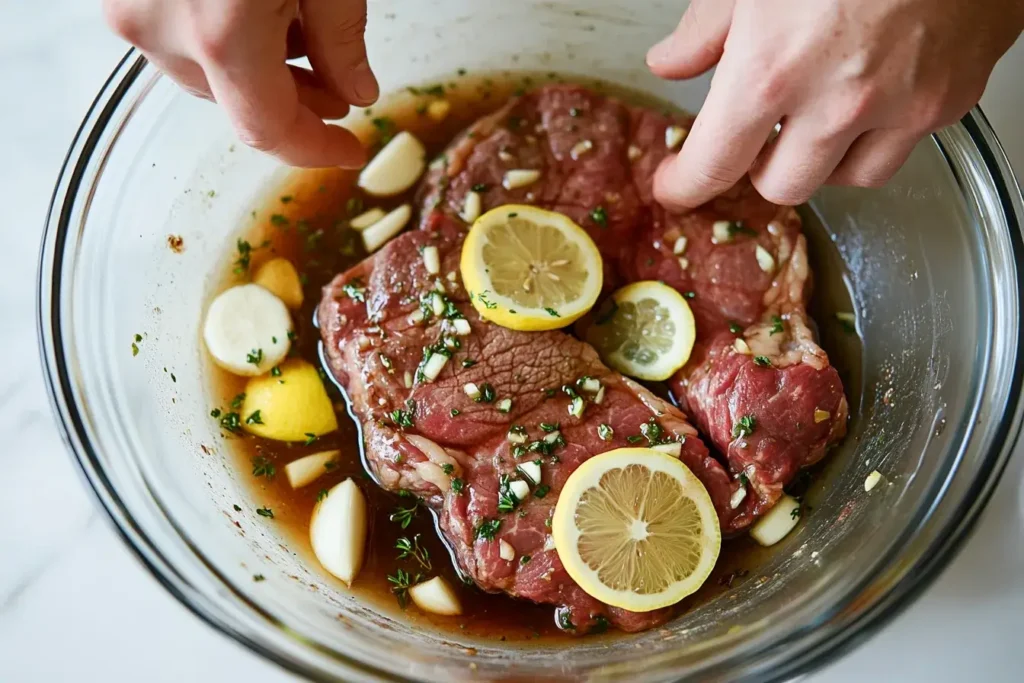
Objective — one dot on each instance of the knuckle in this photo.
(780, 192)
(123, 20)
(259, 139)
(350, 27)
(851, 111)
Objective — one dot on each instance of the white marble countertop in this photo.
(75, 604)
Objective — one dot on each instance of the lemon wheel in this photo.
(636, 529)
(647, 332)
(530, 269)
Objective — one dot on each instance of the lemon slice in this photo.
(530, 269)
(647, 334)
(636, 529)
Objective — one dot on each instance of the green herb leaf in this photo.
(762, 361)
(552, 312)
(488, 529)
(404, 516)
(541, 490)
(255, 357)
(745, 426)
(411, 548)
(262, 467)
(777, 325)
(600, 216)
(265, 512)
(254, 418)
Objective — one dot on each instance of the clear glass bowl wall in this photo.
(933, 260)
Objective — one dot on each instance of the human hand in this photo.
(234, 52)
(854, 83)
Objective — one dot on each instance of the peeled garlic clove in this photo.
(305, 471)
(396, 168)
(779, 521)
(246, 330)
(337, 531)
(375, 236)
(436, 596)
(366, 219)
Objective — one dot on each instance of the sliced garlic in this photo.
(505, 156)
(367, 218)
(872, 480)
(821, 415)
(531, 471)
(471, 207)
(472, 390)
(436, 596)
(305, 471)
(779, 521)
(599, 397)
(337, 531)
(432, 260)
(581, 148)
(506, 551)
(634, 153)
(517, 178)
(438, 109)
(520, 489)
(375, 236)
(764, 259)
(516, 436)
(674, 136)
(590, 385)
(395, 168)
(741, 346)
(721, 231)
(552, 437)
(434, 365)
(680, 246)
(684, 263)
(461, 327)
(673, 449)
(737, 497)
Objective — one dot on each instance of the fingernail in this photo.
(364, 84)
(661, 52)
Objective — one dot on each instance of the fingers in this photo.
(727, 136)
(697, 43)
(184, 72)
(261, 98)
(334, 40)
(874, 158)
(315, 95)
(797, 162)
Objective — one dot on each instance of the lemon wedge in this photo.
(289, 405)
(647, 334)
(530, 269)
(636, 529)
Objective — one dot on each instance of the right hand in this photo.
(234, 52)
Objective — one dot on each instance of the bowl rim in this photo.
(59, 384)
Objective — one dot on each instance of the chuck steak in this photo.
(771, 403)
(454, 452)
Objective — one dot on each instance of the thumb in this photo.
(697, 43)
(334, 41)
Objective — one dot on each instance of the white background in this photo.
(75, 605)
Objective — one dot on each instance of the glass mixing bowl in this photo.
(933, 261)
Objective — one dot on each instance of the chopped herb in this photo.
(549, 393)
(231, 422)
(292, 336)
(135, 349)
(525, 559)
(321, 494)
(261, 467)
(457, 485)
(278, 220)
(401, 582)
(552, 312)
(435, 90)
(549, 427)
(513, 215)
(565, 620)
(275, 371)
(762, 361)
(354, 206)
(744, 480)
(635, 438)
(605, 432)
(795, 514)
(487, 394)
(461, 72)
(652, 431)
(600, 625)
(254, 418)
(507, 501)
(407, 549)
(541, 490)
(745, 426)
(236, 402)
(455, 412)
(310, 438)
(735, 328)
(600, 216)
(402, 418)
(488, 529)
(690, 295)
(215, 413)
(255, 357)
(739, 228)
(547, 522)
(138, 337)
(481, 187)
(237, 507)
(265, 512)
(403, 516)
(448, 468)
(490, 305)
(355, 290)
(776, 325)
(244, 256)
(285, 199)
(386, 128)
(313, 240)
(258, 577)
